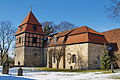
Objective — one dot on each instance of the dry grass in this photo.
(68, 70)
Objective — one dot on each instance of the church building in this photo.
(78, 48)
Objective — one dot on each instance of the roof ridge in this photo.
(110, 30)
(87, 30)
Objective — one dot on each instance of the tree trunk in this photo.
(57, 64)
(1, 61)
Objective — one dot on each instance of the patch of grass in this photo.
(68, 70)
(63, 70)
(106, 72)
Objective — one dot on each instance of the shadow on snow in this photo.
(13, 78)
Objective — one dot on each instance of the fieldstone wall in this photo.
(94, 52)
(87, 56)
(50, 58)
(30, 56)
(34, 56)
(45, 57)
(19, 56)
(81, 52)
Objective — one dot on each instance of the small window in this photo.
(18, 62)
(34, 28)
(73, 58)
(19, 39)
(20, 28)
(34, 40)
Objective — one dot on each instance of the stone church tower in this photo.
(29, 43)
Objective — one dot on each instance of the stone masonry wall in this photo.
(34, 56)
(45, 56)
(19, 56)
(94, 52)
(81, 52)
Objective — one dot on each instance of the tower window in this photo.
(34, 27)
(34, 39)
(19, 39)
(20, 28)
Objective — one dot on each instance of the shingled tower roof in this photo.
(28, 22)
(30, 18)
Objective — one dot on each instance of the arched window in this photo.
(73, 58)
(18, 62)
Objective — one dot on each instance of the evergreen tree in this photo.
(48, 30)
(105, 60)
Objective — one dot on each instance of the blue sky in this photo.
(79, 12)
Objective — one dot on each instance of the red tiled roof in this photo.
(27, 25)
(78, 30)
(113, 36)
(79, 35)
(30, 18)
(77, 38)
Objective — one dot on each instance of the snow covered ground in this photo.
(30, 74)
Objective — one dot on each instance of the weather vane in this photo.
(30, 8)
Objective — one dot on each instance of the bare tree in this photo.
(7, 32)
(114, 10)
(59, 53)
(63, 26)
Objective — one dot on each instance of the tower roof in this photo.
(28, 23)
(30, 18)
